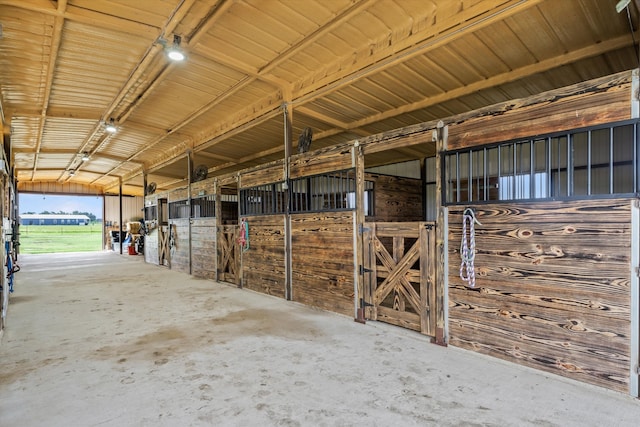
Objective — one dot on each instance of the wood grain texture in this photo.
(180, 252)
(228, 251)
(206, 187)
(203, 248)
(151, 247)
(178, 194)
(263, 174)
(322, 260)
(588, 103)
(552, 289)
(320, 161)
(263, 264)
(396, 199)
(401, 258)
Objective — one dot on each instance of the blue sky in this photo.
(38, 203)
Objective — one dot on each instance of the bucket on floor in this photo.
(132, 250)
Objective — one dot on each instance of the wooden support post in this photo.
(288, 126)
(634, 375)
(441, 332)
(219, 229)
(189, 180)
(358, 156)
(120, 239)
(635, 94)
(144, 186)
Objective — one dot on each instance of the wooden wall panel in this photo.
(321, 161)
(263, 265)
(585, 104)
(151, 247)
(396, 199)
(178, 194)
(203, 248)
(265, 174)
(552, 289)
(322, 260)
(204, 187)
(180, 253)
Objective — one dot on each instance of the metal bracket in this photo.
(364, 304)
(364, 270)
(362, 229)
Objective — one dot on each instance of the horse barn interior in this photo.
(465, 169)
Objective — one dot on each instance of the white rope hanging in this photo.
(468, 247)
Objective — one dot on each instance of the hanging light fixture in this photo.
(622, 4)
(72, 172)
(175, 53)
(111, 126)
(85, 156)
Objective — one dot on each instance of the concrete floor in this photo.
(101, 339)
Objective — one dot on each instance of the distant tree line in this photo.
(91, 216)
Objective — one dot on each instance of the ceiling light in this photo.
(72, 173)
(85, 157)
(111, 126)
(622, 4)
(175, 53)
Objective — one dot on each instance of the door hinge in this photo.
(364, 304)
(637, 270)
(362, 229)
(365, 270)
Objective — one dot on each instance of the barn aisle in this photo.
(101, 339)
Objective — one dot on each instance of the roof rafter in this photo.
(56, 40)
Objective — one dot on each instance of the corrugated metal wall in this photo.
(131, 209)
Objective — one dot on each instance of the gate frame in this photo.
(425, 234)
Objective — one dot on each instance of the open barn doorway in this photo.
(228, 235)
(51, 223)
(399, 245)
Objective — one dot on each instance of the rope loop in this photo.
(243, 239)
(468, 247)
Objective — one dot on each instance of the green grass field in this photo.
(43, 239)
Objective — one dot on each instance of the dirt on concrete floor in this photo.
(101, 339)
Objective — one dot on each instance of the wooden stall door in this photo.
(164, 245)
(229, 254)
(400, 260)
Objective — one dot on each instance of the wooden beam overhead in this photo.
(56, 40)
(480, 15)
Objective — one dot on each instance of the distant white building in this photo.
(53, 219)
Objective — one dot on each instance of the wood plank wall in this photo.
(178, 194)
(203, 243)
(151, 247)
(204, 187)
(180, 254)
(325, 160)
(590, 103)
(396, 199)
(322, 260)
(263, 174)
(263, 265)
(552, 290)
